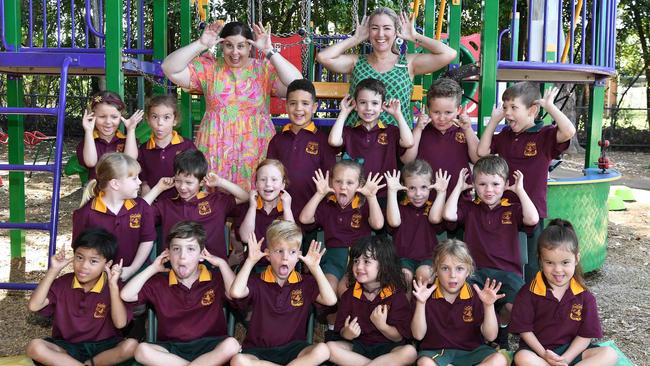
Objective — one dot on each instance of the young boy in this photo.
(85, 304)
(528, 146)
(208, 209)
(188, 301)
(492, 225)
(370, 139)
(281, 299)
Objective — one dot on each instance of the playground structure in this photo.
(100, 45)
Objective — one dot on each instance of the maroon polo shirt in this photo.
(302, 154)
(262, 221)
(158, 162)
(80, 316)
(103, 147)
(530, 152)
(492, 235)
(280, 314)
(132, 225)
(186, 314)
(456, 325)
(555, 323)
(210, 210)
(343, 225)
(415, 238)
(354, 304)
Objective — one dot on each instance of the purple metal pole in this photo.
(513, 51)
(593, 32)
(613, 36)
(559, 32)
(501, 34)
(58, 24)
(544, 35)
(128, 23)
(3, 28)
(571, 30)
(30, 31)
(17, 286)
(582, 35)
(73, 39)
(530, 27)
(141, 27)
(44, 24)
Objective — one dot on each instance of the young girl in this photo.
(555, 315)
(111, 202)
(451, 319)
(156, 156)
(101, 135)
(344, 215)
(373, 314)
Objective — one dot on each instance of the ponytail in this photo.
(113, 165)
(89, 192)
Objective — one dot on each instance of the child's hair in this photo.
(110, 166)
(445, 88)
(191, 162)
(380, 248)
(526, 91)
(276, 163)
(347, 163)
(491, 165)
(396, 22)
(559, 234)
(236, 29)
(304, 85)
(98, 239)
(187, 230)
(283, 231)
(168, 100)
(373, 85)
(453, 248)
(107, 97)
(416, 167)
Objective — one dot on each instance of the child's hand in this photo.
(554, 359)
(165, 183)
(549, 98)
(392, 107)
(212, 180)
(113, 272)
(59, 261)
(442, 181)
(392, 181)
(255, 252)
(463, 120)
(347, 104)
(88, 121)
(422, 291)
(372, 185)
(210, 35)
(285, 198)
(212, 259)
(159, 262)
(518, 187)
(362, 32)
(408, 32)
(262, 37)
(462, 180)
(322, 182)
(252, 198)
(133, 121)
(497, 113)
(379, 315)
(314, 255)
(235, 258)
(488, 294)
(351, 329)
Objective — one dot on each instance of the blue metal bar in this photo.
(89, 23)
(58, 23)
(501, 34)
(5, 44)
(17, 286)
(530, 27)
(613, 36)
(25, 225)
(558, 54)
(72, 40)
(544, 33)
(593, 33)
(582, 35)
(127, 14)
(513, 52)
(30, 31)
(141, 27)
(27, 167)
(571, 30)
(44, 24)
(28, 111)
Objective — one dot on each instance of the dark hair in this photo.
(526, 91)
(381, 248)
(168, 100)
(491, 165)
(187, 230)
(304, 85)
(373, 85)
(98, 239)
(191, 162)
(445, 88)
(236, 29)
(107, 97)
(560, 234)
(417, 167)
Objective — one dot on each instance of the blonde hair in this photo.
(110, 166)
(276, 163)
(396, 22)
(456, 249)
(283, 231)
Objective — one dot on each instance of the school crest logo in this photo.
(296, 298)
(204, 208)
(468, 314)
(382, 138)
(134, 221)
(100, 311)
(356, 221)
(506, 218)
(460, 138)
(120, 148)
(312, 148)
(576, 312)
(530, 149)
(208, 298)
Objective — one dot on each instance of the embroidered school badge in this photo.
(382, 138)
(120, 148)
(208, 298)
(134, 221)
(576, 312)
(356, 221)
(100, 311)
(530, 149)
(468, 314)
(296, 298)
(460, 138)
(506, 218)
(312, 148)
(204, 208)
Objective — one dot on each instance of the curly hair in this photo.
(380, 248)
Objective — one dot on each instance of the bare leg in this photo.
(495, 359)
(342, 355)
(601, 356)
(424, 274)
(49, 353)
(120, 353)
(220, 355)
(243, 359)
(408, 277)
(153, 354)
(402, 355)
(312, 355)
(529, 358)
(426, 361)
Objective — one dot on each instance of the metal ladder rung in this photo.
(29, 111)
(45, 226)
(28, 167)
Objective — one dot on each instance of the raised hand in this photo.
(362, 32)
(518, 186)
(210, 258)
(255, 252)
(549, 98)
(351, 329)
(262, 37)
(88, 121)
(392, 107)
(159, 262)
(462, 180)
(314, 254)
(133, 121)
(212, 180)
(252, 198)
(423, 121)
(165, 183)
(393, 181)
(59, 261)
(442, 181)
(379, 316)
(407, 28)
(421, 291)
(322, 182)
(463, 120)
(114, 273)
(488, 294)
(347, 104)
(372, 185)
(497, 113)
(210, 35)
(285, 198)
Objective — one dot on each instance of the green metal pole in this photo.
(595, 123)
(186, 98)
(429, 30)
(455, 10)
(160, 20)
(114, 13)
(489, 57)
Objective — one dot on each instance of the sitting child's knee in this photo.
(34, 348)
(230, 346)
(127, 347)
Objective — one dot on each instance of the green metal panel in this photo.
(488, 80)
(186, 99)
(114, 14)
(160, 20)
(429, 31)
(595, 124)
(455, 9)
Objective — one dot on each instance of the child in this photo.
(444, 137)
(344, 216)
(452, 319)
(378, 144)
(156, 156)
(281, 298)
(411, 220)
(555, 315)
(85, 304)
(188, 301)
(101, 135)
(374, 315)
(528, 146)
(208, 209)
(111, 202)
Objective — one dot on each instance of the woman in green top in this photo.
(385, 62)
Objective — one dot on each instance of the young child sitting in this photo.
(555, 315)
(281, 299)
(188, 301)
(451, 318)
(85, 304)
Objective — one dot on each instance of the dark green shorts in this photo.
(335, 261)
(413, 264)
(510, 282)
(448, 356)
(281, 355)
(373, 351)
(84, 350)
(189, 351)
(560, 350)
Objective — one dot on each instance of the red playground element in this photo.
(603, 161)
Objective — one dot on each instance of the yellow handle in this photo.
(441, 15)
(565, 53)
(416, 9)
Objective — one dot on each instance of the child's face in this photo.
(162, 120)
(518, 116)
(269, 182)
(368, 105)
(283, 258)
(187, 185)
(184, 256)
(129, 186)
(365, 269)
(107, 119)
(382, 32)
(442, 112)
(300, 107)
(452, 274)
(345, 182)
(558, 266)
(88, 264)
(490, 188)
(417, 189)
